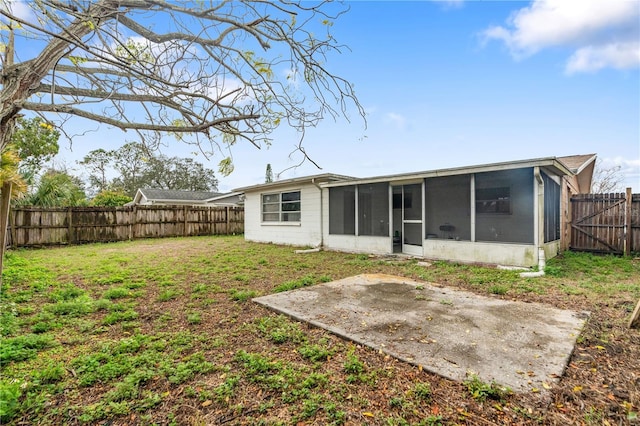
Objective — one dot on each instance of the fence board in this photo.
(30, 226)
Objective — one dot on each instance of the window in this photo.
(551, 209)
(281, 207)
(493, 200)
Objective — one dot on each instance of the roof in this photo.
(576, 163)
(549, 163)
(320, 178)
(566, 166)
(582, 166)
(176, 195)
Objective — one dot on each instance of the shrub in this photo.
(110, 199)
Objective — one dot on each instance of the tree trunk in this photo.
(5, 198)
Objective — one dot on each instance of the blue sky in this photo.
(456, 83)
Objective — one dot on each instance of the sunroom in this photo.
(487, 216)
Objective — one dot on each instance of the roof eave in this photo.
(297, 180)
(548, 162)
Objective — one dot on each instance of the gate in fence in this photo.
(605, 223)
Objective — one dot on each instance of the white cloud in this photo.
(629, 170)
(397, 120)
(21, 9)
(452, 4)
(605, 34)
(594, 58)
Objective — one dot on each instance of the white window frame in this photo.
(281, 213)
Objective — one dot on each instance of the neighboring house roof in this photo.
(321, 178)
(175, 195)
(170, 196)
(230, 198)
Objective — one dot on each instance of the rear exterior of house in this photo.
(501, 213)
(288, 211)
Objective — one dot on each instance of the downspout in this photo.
(539, 225)
(541, 266)
(313, 181)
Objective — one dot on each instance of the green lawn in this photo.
(164, 332)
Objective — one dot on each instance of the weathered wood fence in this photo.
(606, 223)
(30, 226)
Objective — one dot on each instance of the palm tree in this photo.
(12, 185)
(56, 189)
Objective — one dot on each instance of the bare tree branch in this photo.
(211, 72)
(65, 109)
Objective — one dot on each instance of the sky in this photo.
(460, 83)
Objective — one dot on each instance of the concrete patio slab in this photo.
(524, 346)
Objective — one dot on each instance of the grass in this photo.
(159, 326)
(481, 390)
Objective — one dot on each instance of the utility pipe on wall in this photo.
(538, 226)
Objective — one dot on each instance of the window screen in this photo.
(373, 209)
(342, 210)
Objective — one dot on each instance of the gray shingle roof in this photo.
(172, 194)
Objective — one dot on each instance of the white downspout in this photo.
(539, 225)
(313, 181)
(541, 266)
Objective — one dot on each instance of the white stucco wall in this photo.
(361, 244)
(307, 232)
(507, 254)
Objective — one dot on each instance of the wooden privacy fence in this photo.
(605, 223)
(31, 226)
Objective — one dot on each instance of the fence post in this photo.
(627, 223)
(134, 222)
(69, 225)
(184, 231)
(228, 231)
(12, 226)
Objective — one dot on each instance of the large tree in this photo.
(98, 163)
(211, 73)
(184, 174)
(36, 143)
(134, 166)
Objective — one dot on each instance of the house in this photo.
(501, 213)
(148, 196)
